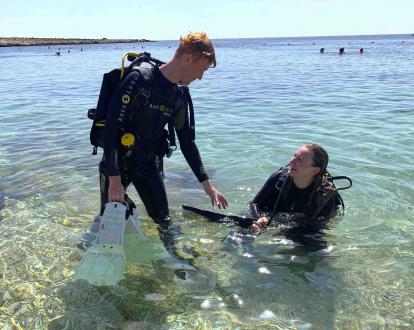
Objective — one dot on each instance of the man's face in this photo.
(196, 67)
(301, 164)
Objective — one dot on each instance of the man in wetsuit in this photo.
(299, 188)
(144, 103)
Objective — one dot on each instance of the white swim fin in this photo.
(140, 247)
(104, 262)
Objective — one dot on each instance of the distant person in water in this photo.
(341, 50)
(361, 50)
(299, 188)
(322, 50)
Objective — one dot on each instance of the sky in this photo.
(167, 20)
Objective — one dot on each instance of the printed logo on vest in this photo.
(125, 99)
(165, 110)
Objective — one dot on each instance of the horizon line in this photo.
(221, 38)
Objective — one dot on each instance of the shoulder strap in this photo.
(186, 94)
(171, 131)
(323, 195)
(191, 108)
(280, 185)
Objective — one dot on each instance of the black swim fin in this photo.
(243, 222)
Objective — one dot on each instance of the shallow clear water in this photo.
(265, 98)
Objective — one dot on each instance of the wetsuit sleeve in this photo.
(187, 145)
(118, 112)
(264, 200)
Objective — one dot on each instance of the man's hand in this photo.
(116, 191)
(258, 225)
(217, 199)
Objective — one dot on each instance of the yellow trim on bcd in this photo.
(128, 140)
(100, 123)
(123, 60)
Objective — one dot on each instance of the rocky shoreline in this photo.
(10, 42)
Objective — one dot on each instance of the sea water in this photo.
(265, 98)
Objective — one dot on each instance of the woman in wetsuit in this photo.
(299, 188)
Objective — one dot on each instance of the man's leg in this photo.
(151, 189)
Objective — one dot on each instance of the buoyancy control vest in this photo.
(111, 81)
(323, 193)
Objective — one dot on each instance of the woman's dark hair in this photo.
(320, 159)
(320, 156)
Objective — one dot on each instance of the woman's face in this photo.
(301, 164)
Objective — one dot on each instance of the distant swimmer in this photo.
(342, 50)
(57, 54)
(322, 50)
(361, 50)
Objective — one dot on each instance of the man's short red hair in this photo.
(197, 43)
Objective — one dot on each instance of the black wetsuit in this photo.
(294, 201)
(143, 105)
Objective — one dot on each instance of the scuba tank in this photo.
(110, 82)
